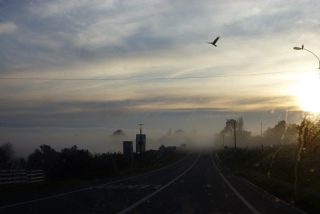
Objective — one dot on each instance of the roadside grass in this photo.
(301, 199)
(276, 170)
(12, 190)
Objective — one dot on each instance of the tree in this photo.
(279, 130)
(291, 134)
(3, 155)
(240, 124)
(74, 164)
(7, 148)
(229, 128)
(50, 156)
(268, 133)
(45, 157)
(309, 138)
(35, 160)
(280, 133)
(118, 133)
(179, 132)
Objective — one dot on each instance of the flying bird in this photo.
(214, 42)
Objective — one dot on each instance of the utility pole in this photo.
(140, 142)
(261, 137)
(229, 124)
(234, 134)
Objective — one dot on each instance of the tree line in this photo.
(306, 135)
(74, 163)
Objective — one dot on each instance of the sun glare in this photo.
(307, 92)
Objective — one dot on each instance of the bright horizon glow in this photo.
(306, 91)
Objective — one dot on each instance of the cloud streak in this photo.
(7, 28)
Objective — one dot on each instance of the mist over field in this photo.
(199, 128)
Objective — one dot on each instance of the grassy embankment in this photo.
(277, 171)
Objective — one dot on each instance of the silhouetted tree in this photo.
(35, 160)
(229, 128)
(240, 124)
(74, 163)
(309, 138)
(3, 156)
(179, 132)
(50, 156)
(46, 157)
(279, 131)
(7, 148)
(118, 133)
(291, 134)
(180, 135)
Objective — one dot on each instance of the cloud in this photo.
(61, 35)
(32, 113)
(56, 7)
(154, 55)
(7, 28)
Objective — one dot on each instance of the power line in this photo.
(140, 79)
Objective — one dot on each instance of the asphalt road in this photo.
(196, 184)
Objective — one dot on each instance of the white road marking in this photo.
(89, 188)
(155, 192)
(253, 210)
(128, 186)
(105, 186)
(144, 186)
(157, 186)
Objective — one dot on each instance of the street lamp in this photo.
(234, 131)
(302, 48)
(140, 143)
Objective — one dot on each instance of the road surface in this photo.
(195, 184)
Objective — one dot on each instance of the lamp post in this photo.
(140, 143)
(234, 131)
(302, 48)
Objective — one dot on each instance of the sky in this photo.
(73, 72)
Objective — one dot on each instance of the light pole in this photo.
(302, 48)
(234, 131)
(234, 134)
(140, 143)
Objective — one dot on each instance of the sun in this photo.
(307, 92)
